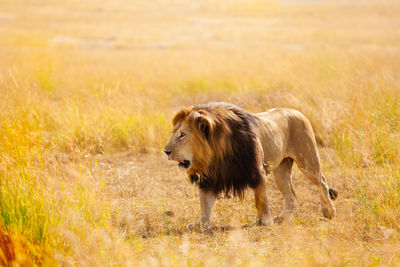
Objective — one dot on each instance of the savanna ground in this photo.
(88, 89)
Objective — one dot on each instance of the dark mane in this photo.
(235, 163)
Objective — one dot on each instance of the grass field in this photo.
(88, 90)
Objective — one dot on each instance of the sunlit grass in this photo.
(86, 107)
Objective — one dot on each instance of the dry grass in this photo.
(88, 90)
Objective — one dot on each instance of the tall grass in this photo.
(84, 116)
(25, 212)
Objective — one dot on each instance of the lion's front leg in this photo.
(207, 201)
(260, 194)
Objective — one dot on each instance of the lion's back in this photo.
(280, 131)
(291, 119)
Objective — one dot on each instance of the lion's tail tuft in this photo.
(333, 193)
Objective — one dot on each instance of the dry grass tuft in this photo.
(88, 90)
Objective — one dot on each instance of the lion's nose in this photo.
(167, 152)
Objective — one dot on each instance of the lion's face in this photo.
(189, 144)
(180, 146)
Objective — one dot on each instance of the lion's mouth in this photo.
(184, 163)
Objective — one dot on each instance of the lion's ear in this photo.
(180, 116)
(204, 123)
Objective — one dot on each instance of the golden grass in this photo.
(89, 88)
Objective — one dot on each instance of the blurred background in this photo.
(88, 89)
(121, 60)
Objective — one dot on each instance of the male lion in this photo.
(227, 149)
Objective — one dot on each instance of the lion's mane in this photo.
(226, 150)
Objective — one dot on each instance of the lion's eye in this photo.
(182, 135)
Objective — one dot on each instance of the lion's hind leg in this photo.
(325, 195)
(310, 166)
(283, 179)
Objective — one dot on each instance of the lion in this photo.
(225, 149)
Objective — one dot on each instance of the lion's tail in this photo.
(333, 193)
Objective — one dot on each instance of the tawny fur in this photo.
(232, 149)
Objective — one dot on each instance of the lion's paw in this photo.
(261, 222)
(202, 228)
(279, 220)
(329, 213)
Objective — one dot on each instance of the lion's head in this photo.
(217, 145)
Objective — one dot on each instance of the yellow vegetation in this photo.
(88, 90)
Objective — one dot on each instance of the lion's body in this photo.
(286, 133)
(228, 149)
